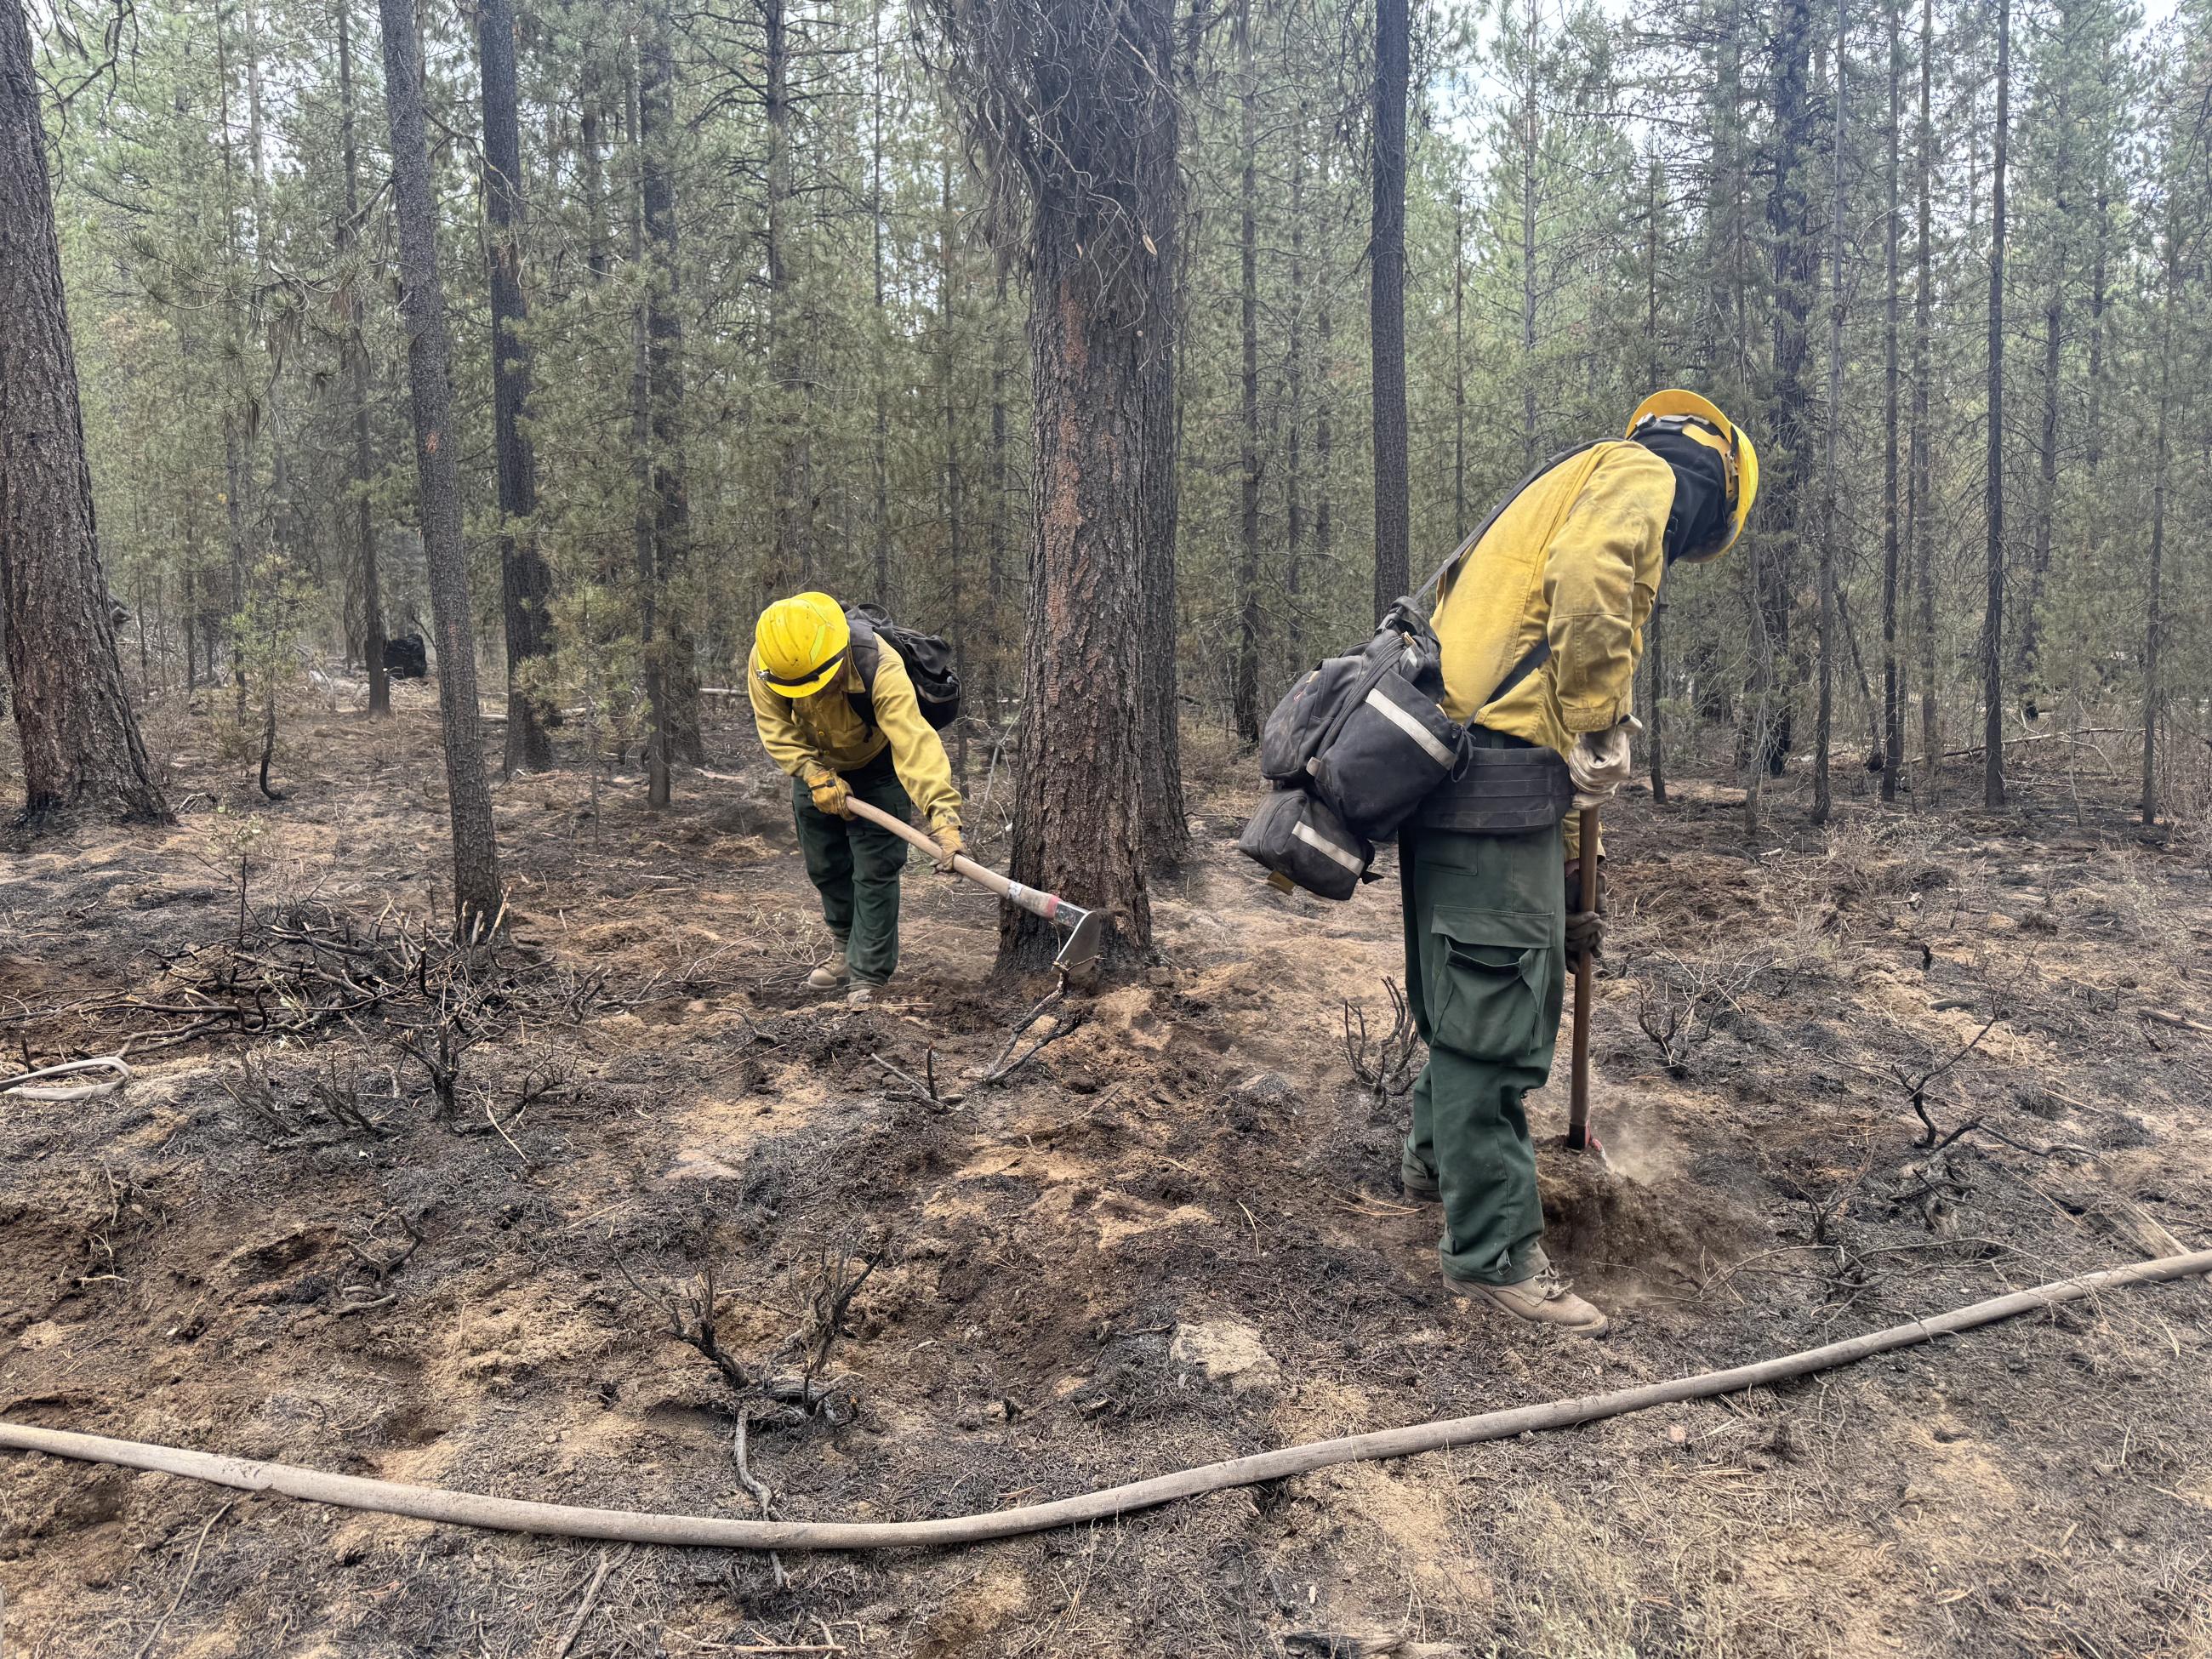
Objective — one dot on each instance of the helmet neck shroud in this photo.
(1699, 520)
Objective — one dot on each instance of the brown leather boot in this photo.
(1542, 1298)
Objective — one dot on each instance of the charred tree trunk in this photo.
(1386, 303)
(525, 584)
(362, 457)
(1993, 781)
(1294, 504)
(477, 898)
(80, 738)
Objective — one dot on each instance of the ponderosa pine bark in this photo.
(80, 739)
(525, 583)
(1920, 502)
(478, 898)
(1074, 108)
(1386, 303)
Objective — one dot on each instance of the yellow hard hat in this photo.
(1701, 419)
(802, 642)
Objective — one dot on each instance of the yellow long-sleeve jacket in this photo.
(1575, 558)
(823, 730)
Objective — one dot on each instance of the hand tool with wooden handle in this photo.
(1086, 927)
(1579, 1137)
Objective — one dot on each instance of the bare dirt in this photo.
(1173, 1236)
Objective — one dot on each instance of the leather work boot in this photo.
(831, 973)
(1418, 1184)
(861, 995)
(1542, 1298)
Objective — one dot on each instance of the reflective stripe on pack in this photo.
(1326, 848)
(1412, 727)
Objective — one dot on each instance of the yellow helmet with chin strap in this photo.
(1701, 419)
(802, 641)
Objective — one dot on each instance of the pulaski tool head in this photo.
(1083, 941)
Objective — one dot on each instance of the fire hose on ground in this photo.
(561, 1520)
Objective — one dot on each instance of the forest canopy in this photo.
(774, 312)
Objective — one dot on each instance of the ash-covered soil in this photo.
(1172, 1235)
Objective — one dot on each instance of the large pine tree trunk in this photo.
(525, 583)
(1166, 830)
(1993, 781)
(80, 739)
(1386, 304)
(361, 458)
(476, 893)
(1075, 107)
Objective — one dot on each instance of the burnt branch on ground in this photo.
(1386, 1064)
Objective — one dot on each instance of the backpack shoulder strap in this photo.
(1429, 588)
(867, 655)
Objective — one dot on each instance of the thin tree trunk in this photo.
(1386, 312)
(1796, 257)
(880, 449)
(525, 583)
(1921, 500)
(1001, 496)
(1892, 711)
(791, 554)
(1244, 693)
(955, 545)
(1655, 672)
(1530, 134)
(1831, 505)
(1294, 505)
(664, 333)
(478, 898)
(1993, 781)
(81, 747)
(1459, 362)
(363, 456)
(2154, 619)
(652, 647)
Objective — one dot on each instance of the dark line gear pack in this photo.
(928, 662)
(1361, 743)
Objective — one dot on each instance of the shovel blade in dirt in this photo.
(1086, 928)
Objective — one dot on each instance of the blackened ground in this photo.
(1173, 1236)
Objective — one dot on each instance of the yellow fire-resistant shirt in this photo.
(824, 730)
(1575, 558)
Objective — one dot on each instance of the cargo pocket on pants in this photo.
(1494, 963)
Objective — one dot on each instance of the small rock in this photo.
(1266, 1088)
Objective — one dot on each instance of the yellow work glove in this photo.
(949, 846)
(828, 791)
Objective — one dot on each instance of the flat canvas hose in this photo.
(561, 1520)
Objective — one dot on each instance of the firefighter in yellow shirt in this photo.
(1540, 625)
(835, 709)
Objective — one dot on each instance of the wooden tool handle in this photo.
(1578, 1083)
(1028, 898)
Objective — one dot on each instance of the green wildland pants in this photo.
(1486, 963)
(855, 867)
